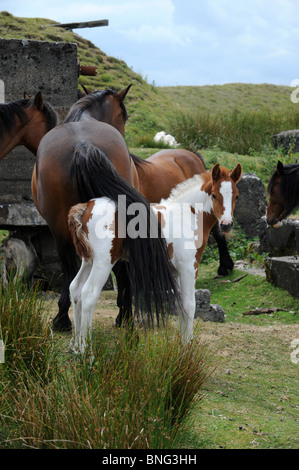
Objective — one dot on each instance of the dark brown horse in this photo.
(283, 189)
(25, 122)
(86, 157)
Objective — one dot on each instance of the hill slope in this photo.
(148, 108)
(231, 96)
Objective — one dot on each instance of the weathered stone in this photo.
(32, 66)
(20, 215)
(205, 310)
(251, 205)
(17, 259)
(50, 67)
(280, 241)
(284, 273)
(288, 139)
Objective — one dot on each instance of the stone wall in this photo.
(32, 66)
(251, 205)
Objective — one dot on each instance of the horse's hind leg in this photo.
(226, 264)
(76, 298)
(69, 260)
(188, 299)
(89, 296)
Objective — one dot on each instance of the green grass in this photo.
(252, 398)
(134, 396)
(249, 293)
(231, 97)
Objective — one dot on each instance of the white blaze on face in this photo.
(227, 193)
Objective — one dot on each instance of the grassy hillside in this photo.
(231, 96)
(148, 108)
(151, 108)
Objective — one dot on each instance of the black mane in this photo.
(87, 101)
(289, 186)
(10, 112)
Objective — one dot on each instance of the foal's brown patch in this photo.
(170, 250)
(78, 218)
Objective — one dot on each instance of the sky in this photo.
(187, 42)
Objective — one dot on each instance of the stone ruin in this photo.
(32, 66)
(288, 140)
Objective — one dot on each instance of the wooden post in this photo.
(84, 24)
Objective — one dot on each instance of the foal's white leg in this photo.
(89, 296)
(188, 300)
(75, 294)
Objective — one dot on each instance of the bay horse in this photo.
(283, 189)
(25, 122)
(99, 246)
(86, 157)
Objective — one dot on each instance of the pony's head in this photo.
(105, 106)
(224, 194)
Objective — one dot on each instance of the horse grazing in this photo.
(25, 122)
(283, 189)
(94, 227)
(85, 158)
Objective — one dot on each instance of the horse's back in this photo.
(168, 168)
(56, 190)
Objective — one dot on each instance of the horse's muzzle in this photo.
(274, 223)
(226, 228)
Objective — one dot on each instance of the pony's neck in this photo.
(193, 191)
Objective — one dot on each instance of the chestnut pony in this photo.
(283, 189)
(86, 157)
(97, 241)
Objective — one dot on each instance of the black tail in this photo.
(152, 278)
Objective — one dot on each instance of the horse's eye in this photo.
(237, 197)
(213, 196)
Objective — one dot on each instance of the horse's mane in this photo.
(138, 161)
(8, 114)
(15, 109)
(182, 188)
(201, 159)
(289, 186)
(87, 101)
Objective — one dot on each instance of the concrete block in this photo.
(284, 272)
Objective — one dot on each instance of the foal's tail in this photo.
(152, 278)
(79, 237)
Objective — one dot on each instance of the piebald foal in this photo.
(194, 206)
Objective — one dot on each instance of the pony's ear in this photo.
(236, 173)
(279, 168)
(86, 91)
(122, 94)
(39, 101)
(216, 172)
(26, 96)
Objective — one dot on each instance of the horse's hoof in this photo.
(224, 270)
(60, 324)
